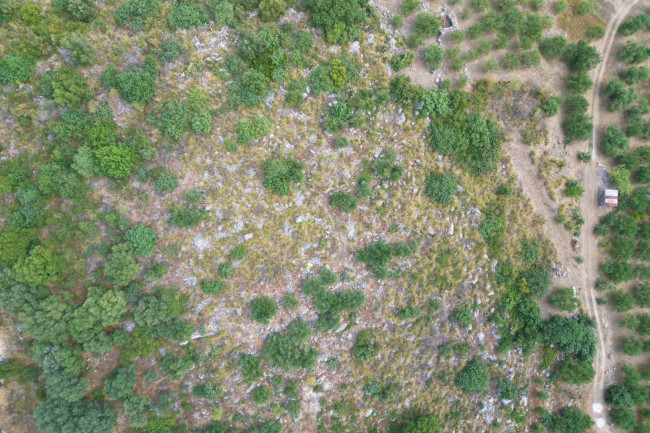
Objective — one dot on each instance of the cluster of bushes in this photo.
(470, 139)
(136, 13)
(254, 129)
(289, 350)
(353, 111)
(330, 304)
(377, 255)
(15, 68)
(626, 398)
(135, 84)
(341, 21)
(179, 116)
(635, 24)
(280, 173)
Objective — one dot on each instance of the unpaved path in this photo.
(593, 393)
(586, 275)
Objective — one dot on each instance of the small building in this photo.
(608, 198)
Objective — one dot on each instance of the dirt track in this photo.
(586, 274)
(593, 395)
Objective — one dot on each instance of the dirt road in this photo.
(593, 394)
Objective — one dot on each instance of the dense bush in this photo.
(564, 299)
(344, 201)
(553, 47)
(135, 13)
(440, 187)
(570, 420)
(186, 14)
(289, 351)
(581, 56)
(614, 141)
(401, 61)
(121, 267)
(263, 308)
(379, 254)
(79, 48)
(280, 173)
(619, 95)
(164, 180)
(341, 20)
(15, 68)
(572, 188)
(635, 24)
(251, 368)
(365, 346)
(474, 377)
(59, 416)
(433, 56)
(187, 217)
(212, 287)
(249, 89)
(254, 129)
(634, 53)
(261, 395)
(386, 168)
(143, 239)
(576, 372)
(82, 10)
(573, 336)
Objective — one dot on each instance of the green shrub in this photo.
(225, 270)
(401, 61)
(290, 302)
(136, 85)
(440, 187)
(116, 161)
(79, 48)
(251, 367)
(561, 6)
(397, 21)
(635, 24)
(288, 351)
(576, 372)
(426, 25)
(135, 13)
(186, 14)
(564, 299)
(341, 21)
(15, 68)
(174, 120)
(344, 201)
(386, 168)
(570, 420)
(253, 129)
(295, 92)
(272, 10)
(379, 254)
(474, 377)
(121, 267)
(365, 346)
(341, 142)
(143, 239)
(585, 7)
(581, 56)
(263, 308)
(463, 316)
(212, 287)
(249, 89)
(261, 395)
(433, 56)
(164, 180)
(238, 253)
(572, 188)
(625, 419)
(409, 6)
(280, 173)
(596, 32)
(186, 217)
(82, 10)
(171, 49)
